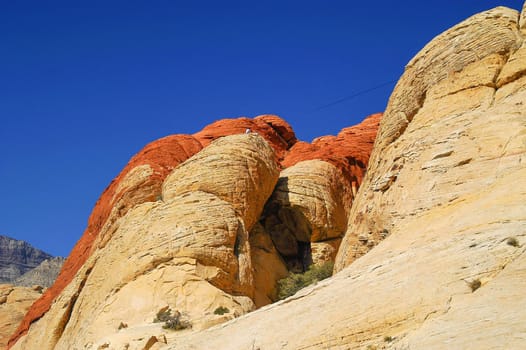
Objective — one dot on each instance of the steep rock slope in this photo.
(14, 303)
(445, 187)
(170, 253)
(17, 257)
(139, 182)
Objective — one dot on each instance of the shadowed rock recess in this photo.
(182, 228)
(211, 221)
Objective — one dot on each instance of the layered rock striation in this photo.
(442, 204)
(139, 182)
(181, 228)
(215, 223)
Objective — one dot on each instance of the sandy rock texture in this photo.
(309, 204)
(14, 303)
(230, 258)
(308, 211)
(442, 204)
(140, 182)
(188, 251)
(349, 151)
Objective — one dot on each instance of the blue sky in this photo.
(86, 86)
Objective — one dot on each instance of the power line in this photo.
(356, 94)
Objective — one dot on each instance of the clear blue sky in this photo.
(85, 85)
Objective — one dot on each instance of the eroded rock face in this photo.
(172, 252)
(310, 204)
(349, 150)
(445, 190)
(462, 116)
(140, 182)
(14, 303)
(275, 130)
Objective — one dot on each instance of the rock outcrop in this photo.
(14, 303)
(43, 275)
(171, 252)
(140, 182)
(182, 229)
(452, 128)
(349, 151)
(17, 257)
(442, 204)
(308, 211)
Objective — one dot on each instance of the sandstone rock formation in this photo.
(172, 253)
(310, 204)
(43, 275)
(452, 120)
(444, 193)
(349, 150)
(140, 182)
(182, 229)
(308, 211)
(442, 204)
(17, 257)
(14, 303)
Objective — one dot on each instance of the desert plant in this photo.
(388, 339)
(175, 321)
(513, 242)
(163, 315)
(221, 310)
(295, 281)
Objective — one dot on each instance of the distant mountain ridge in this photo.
(43, 275)
(18, 257)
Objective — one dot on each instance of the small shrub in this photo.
(475, 284)
(295, 281)
(513, 242)
(163, 315)
(388, 339)
(175, 321)
(221, 310)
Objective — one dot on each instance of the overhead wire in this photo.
(354, 95)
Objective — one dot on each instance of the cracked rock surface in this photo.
(442, 201)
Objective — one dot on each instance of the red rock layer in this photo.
(274, 129)
(349, 150)
(162, 156)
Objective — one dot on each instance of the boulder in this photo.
(14, 303)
